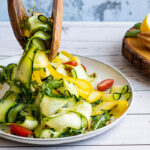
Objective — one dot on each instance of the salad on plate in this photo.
(55, 99)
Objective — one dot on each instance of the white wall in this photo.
(90, 10)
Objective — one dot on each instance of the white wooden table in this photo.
(101, 41)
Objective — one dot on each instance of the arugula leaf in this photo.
(100, 121)
(49, 84)
(6, 72)
(25, 94)
(71, 132)
(2, 78)
(96, 103)
(31, 12)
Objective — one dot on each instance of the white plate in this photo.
(104, 72)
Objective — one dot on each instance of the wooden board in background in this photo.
(137, 54)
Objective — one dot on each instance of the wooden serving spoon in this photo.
(57, 14)
(17, 13)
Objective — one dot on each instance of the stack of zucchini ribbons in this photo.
(54, 99)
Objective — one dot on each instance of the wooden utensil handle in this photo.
(17, 13)
(57, 14)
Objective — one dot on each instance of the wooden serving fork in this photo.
(17, 14)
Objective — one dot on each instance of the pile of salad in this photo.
(55, 99)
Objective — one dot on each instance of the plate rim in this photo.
(80, 137)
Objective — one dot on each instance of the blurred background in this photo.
(89, 10)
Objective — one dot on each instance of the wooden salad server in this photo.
(57, 16)
(17, 13)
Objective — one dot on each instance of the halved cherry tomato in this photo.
(105, 84)
(83, 67)
(17, 130)
(72, 63)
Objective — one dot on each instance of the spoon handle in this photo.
(17, 13)
(57, 14)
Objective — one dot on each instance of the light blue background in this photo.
(89, 10)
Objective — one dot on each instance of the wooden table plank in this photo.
(141, 103)
(101, 48)
(129, 147)
(2, 58)
(100, 31)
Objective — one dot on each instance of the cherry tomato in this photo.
(20, 131)
(72, 63)
(83, 67)
(105, 84)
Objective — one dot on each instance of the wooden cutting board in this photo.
(137, 54)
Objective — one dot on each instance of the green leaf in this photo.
(132, 33)
(49, 84)
(100, 121)
(137, 25)
(5, 73)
